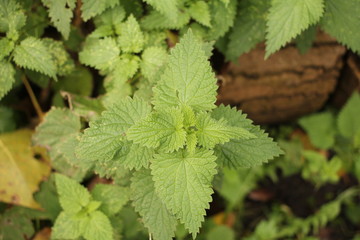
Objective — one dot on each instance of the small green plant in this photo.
(175, 146)
(340, 133)
(87, 214)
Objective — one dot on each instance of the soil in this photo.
(285, 86)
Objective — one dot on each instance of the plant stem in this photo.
(33, 99)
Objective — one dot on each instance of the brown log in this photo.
(285, 86)
(349, 81)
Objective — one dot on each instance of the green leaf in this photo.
(211, 132)
(112, 17)
(191, 142)
(341, 20)
(15, 225)
(68, 226)
(135, 156)
(72, 196)
(99, 227)
(183, 183)
(88, 108)
(222, 18)
(188, 78)
(7, 77)
(7, 123)
(155, 216)
(60, 13)
(287, 19)
(131, 39)
(48, 198)
(305, 40)
(166, 7)
(33, 54)
(321, 128)
(92, 8)
(156, 20)
(153, 59)
(112, 198)
(161, 129)
(6, 46)
(249, 28)
(12, 18)
(106, 134)
(348, 119)
(66, 161)
(63, 62)
(200, 12)
(100, 53)
(116, 94)
(125, 67)
(244, 152)
(114, 170)
(56, 127)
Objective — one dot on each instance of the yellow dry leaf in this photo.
(20, 172)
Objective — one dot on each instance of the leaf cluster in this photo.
(174, 146)
(279, 22)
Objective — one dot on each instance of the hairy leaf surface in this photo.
(33, 54)
(57, 125)
(6, 46)
(211, 132)
(161, 129)
(99, 227)
(7, 78)
(342, 20)
(153, 59)
(67, 226)
(244, 152)
(92, 8)
(166, 7)
(223, 16)
(131, 39)
(187, 79)
(183, 182)
(100, 53)
(60, 13)
(249, 27)
(12, 18)
(72, 196)
(112, 198)
(200, 12)
(156, 217)
(287, 19)
(106, 134)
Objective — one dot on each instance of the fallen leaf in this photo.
(20, 172)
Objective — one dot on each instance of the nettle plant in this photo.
(23, 54)
(175, 145)
(87, 214)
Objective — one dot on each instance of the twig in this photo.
(33, 99)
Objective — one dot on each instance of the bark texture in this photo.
(287, 85)
(349, 81)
